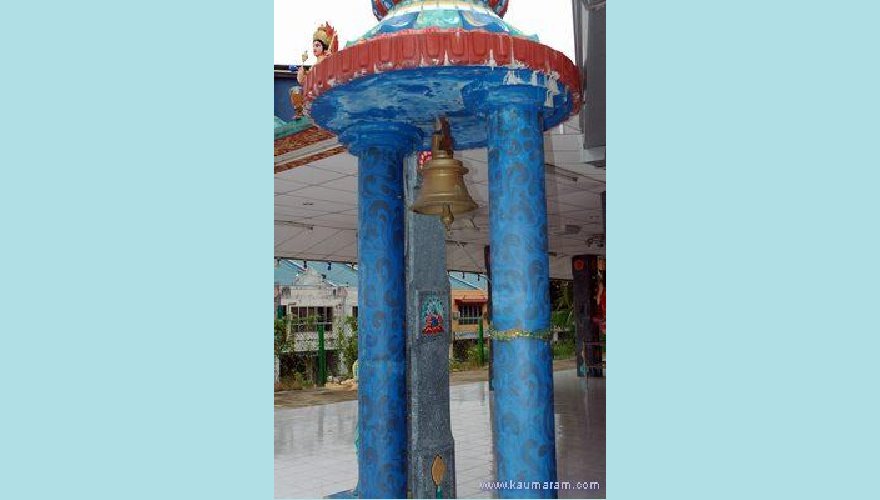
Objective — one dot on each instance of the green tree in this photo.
(347, 341)
(305, 324)
(285, 340)
(562, 317)
(283, 343)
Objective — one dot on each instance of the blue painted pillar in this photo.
(382, 460)
(523, 371)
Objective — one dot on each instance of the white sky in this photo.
(296, 20)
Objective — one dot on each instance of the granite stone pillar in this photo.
(382, 405)
(429, 334)
(523, 370)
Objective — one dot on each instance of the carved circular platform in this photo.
(413, 77)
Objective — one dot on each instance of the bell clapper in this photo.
(448, 218)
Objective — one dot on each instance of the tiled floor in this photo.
(315, 456)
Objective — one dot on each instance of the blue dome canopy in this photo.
(381, 8)
(442, 14)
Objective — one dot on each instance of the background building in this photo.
(326, 293)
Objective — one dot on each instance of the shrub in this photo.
(290, 382)
(473, 355)
(563, 349)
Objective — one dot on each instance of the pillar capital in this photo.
(483, 101)
(394, 136)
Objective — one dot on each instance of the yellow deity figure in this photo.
(324, 43)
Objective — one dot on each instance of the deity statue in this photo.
(324, 43)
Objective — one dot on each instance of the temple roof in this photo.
(284, 129)
(289, 272)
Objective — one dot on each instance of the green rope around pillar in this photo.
(543, 334)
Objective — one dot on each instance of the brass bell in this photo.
(443, 190)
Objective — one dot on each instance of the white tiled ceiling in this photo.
(316, 207)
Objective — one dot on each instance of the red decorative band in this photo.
(424, 48)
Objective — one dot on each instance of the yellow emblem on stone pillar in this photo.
(438, 470)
